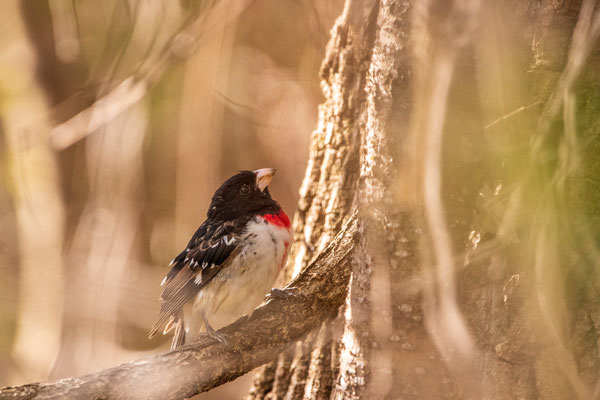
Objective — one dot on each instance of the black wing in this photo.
(210, 249)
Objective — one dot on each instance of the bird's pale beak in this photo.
(263, 177)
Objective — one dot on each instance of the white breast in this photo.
(241, 286)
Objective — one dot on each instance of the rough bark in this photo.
(365, 357)
(328, 191)
(320, 374)
(205, 364)
(476, 327)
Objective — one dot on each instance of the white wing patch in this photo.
(229, 241)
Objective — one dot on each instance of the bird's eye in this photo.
(245, 190)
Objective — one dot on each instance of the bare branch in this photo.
(511, 114)
(206, 364)
(133, 88)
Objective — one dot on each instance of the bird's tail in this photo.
(176, 325)
(179, 334)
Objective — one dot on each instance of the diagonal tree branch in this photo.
(132, 89)
(206, 364)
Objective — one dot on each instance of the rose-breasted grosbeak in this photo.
(230, 263)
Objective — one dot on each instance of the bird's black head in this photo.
(244, 194)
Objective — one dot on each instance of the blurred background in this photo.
(118, 120)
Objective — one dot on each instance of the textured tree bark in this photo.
(328, 191)
(365, 57)
(440, 303)
(365, 357)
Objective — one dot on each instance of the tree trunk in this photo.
(461, 283)
(35, 188)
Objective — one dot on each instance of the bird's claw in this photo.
(219, 337)
(285, 293)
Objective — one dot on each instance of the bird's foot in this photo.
(285, 293)
(219, 337)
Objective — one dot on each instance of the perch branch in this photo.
(205, 364)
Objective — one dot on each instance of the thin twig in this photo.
(133, 88)
(511, 114)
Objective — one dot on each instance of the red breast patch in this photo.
(280, 219)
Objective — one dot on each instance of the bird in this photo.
(230, 263)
